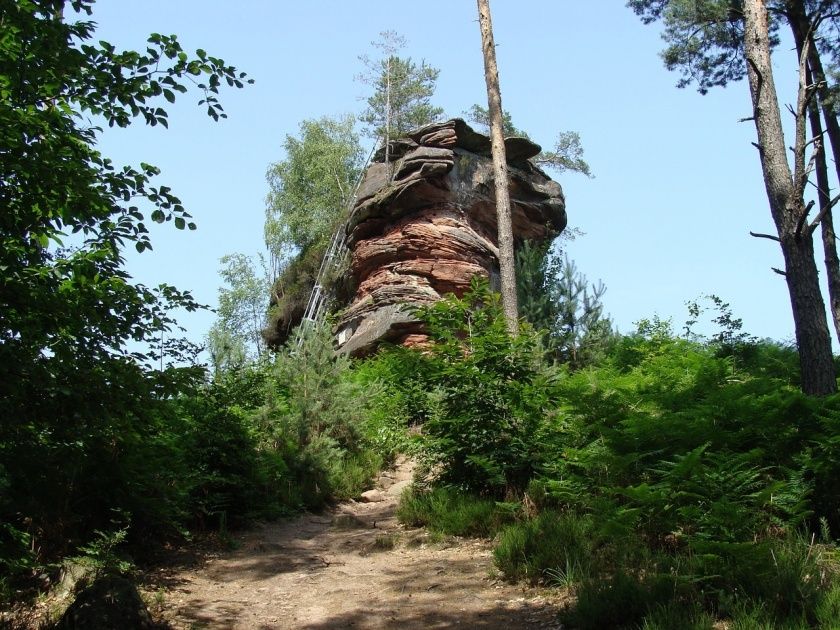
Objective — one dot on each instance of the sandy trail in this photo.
(352, 567)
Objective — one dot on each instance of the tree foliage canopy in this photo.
(567, 154)
(705, 38)
(75, 390)
(243, 303)
(556, 299)
(311, 188)
(402, 90)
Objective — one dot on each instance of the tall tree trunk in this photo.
(507, 269)
(785, 195)
(803, 32)
(829, 239)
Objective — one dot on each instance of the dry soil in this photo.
(351, 567)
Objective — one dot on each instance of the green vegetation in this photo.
(84, 426)
(237, 334)
(311, 187)
(672, 481)
(402, 90)
(105, 448)
(260, 441)
(556, 299)
(667, 481)
(448, 511)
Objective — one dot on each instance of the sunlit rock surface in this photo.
(424, 223)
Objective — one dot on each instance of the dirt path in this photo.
(353, 567)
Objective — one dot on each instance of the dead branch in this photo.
(823, 211)
(767, 236)
(803, 98)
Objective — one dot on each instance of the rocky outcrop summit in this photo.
(424, 223)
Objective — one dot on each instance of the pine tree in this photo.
(714, 42)
(507, 268)
(402, 90)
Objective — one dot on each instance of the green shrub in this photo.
(677, 616)
(828, 609)
(317, 418)
(400, 397)
(487, 396)
(755, 617)
(622, 601)
(453, 512)
(554, 547)
(790, 580)
(671, 438)
(16, 558)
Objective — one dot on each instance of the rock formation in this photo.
(424, 224)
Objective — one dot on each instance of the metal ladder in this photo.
(318, 298)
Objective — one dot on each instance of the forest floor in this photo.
(353, 566)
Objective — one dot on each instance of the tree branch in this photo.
(779, 271)
(803, 219)
(803, 96)
(767, 236)
(823, 211)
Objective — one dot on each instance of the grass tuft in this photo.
(447, 511)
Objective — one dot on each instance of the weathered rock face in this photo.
(424, 224)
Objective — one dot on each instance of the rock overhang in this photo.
(424, 224)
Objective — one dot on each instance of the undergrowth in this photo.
(263, 441)
(454, 513)
(678, 483)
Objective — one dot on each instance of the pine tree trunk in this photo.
(829, 239)
(802, 31)
(832, 267)
(507, 269)
(788, 210)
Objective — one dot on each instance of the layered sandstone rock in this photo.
(424, 223)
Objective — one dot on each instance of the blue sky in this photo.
(677, 183)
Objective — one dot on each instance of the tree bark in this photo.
(507, 269)
(803, 32)
(784, 193)
(829, 239)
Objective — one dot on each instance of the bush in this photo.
(554, 547)
(678, 616)
(622, 601)
(487, 394)
(317, 418)
(454, 513)
(400, 398)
